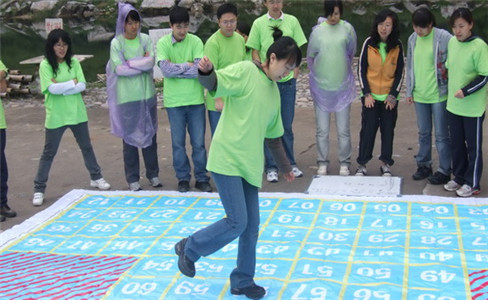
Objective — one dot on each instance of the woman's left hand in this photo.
(459, 94)
(205, 65)
(289, 176)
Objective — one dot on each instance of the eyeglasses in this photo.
(61, 45)
(228, 22)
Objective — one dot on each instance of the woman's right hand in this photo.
(205, 65)
(369, 101)
(409, 100)
(219, 104)
(289, 176)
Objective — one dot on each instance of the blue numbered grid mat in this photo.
(115, 245)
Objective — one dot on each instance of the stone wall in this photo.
(28, 9)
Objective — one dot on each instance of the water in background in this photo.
(21, 40)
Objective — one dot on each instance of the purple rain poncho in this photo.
(330, 52)
(131, 94)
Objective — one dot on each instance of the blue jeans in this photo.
(213, 119)
(288, 91)
(428, 114)
(241, 204)
(322, 119)
(193, 118)
(51, 145)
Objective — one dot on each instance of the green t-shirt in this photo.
(131, 88)
(62, 110)
(261, 35)
(3, 122)
(251, 114)
(383, 53)
(425, 88)
(248, 54)
(180, 91)
(222, 52)
(466, 61)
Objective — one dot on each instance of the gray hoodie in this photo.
(441, 39)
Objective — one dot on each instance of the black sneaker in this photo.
(203, 186)
(2, 218)
(439, 178)
(422, 173)
(183, 186)
(254, 291)
(186, 266)
(7, 212)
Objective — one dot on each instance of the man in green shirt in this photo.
(178, 55)
(260, 38)
(223, 48)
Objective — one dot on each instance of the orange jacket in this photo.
(376, 76)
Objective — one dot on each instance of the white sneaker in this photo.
(361, 170)
(467, 191)
(344, 170)
(452, 186)
(385, 170)
(322, 170)
(38, 199)
(296, 171)
(100, 184)
(155, 182)
(135, 186)
(272, 176)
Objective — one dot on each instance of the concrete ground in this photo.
(25, 140)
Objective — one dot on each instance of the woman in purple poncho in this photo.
(330, 52)
(132, 96)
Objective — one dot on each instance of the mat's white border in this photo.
(64, 203)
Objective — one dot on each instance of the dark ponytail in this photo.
(284, 47)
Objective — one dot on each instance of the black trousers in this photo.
(131, 161)
(3, 168)
(372, 119)
(466, 143)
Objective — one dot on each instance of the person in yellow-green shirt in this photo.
(62, 81)
(5, 210)
(243, 29)
(260, 38)
(426, 82)
(251, 116)
(380, 72)
(178, 55)
(332, 45)
(223, 48)
(467, 62)
(131, 97)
